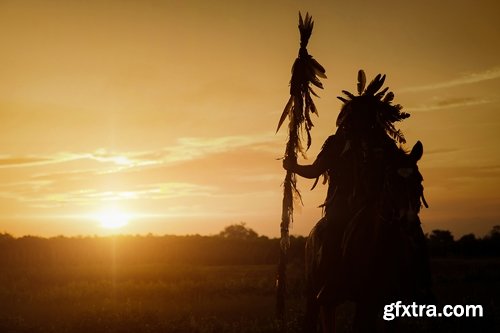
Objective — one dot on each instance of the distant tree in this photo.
(441, 242)
(468, 245)
(238, 231)
(494, 234)
(467, 239)
(441, 236)
(5, 237)
(492, 242)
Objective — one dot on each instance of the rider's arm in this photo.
(321, 164)
(307, 171)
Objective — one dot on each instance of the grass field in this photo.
(95, 297)
(150, 298)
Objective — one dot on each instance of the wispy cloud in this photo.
(101, 155)
(10, 161)
(267, 177)
(448, 104)
(471, 172)
(441, 151)
(53, 198)
(149, 191)
(187, 148)
(190, 148)
(175, 189)
(490, 74)
(191, 167)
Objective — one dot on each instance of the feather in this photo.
(343, 99)
(389, 97)
(318, 69)
(424, 201)
(404, 115)
(389, 112)
(285, 113)
(309, 139)
(315, 183)
(317, 83)
(297, 196)
(313, 108)
(400, 137)
(305, 27)
(348, 94)
(396, 134)
(375, 85)
(309, 124)
(313, 92)
(361, 81)
(382, 93)
(310, 103)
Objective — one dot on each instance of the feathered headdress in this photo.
(371, 108)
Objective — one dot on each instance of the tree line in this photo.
(235, 245)
(441, 243)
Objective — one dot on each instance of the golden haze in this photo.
(168, 110)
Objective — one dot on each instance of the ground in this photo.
(93, 297)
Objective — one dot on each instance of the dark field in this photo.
(117, 294)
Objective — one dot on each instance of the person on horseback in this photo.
(357, 160)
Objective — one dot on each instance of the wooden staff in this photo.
(305, 71)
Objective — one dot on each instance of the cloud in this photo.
(175, 190)
(100, 155)
(209, 169)
(185, 149)
(454, 177)
(489, 171)
(22, 161)
(189, 148)
(441, 151)
(490, 74)
(261, 177)
(53, 198)
(448, 104)
(165, 190)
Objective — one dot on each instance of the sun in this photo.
(112, 218)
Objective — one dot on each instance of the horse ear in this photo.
(417, 151)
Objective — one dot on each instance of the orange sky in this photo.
(166, 111)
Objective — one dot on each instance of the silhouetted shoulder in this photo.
(329, 147)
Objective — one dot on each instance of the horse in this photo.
(381, 252)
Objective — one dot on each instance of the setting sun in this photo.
(112, 218)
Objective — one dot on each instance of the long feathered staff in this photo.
(305, 71)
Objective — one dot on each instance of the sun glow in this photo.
(112, 218)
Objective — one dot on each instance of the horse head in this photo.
(403, 191)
